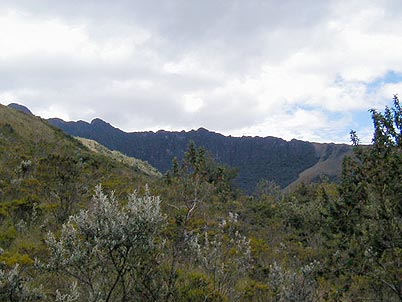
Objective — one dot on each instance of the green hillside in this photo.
(48, 175)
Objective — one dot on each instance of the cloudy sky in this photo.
(305, 69)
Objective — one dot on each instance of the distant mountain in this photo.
(285, 162)
(20, 108)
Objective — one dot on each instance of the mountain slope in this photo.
(118, 156)
(255, 157)
(40, 160)
(328, 166)
(46, 176)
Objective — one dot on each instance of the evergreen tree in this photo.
(368, 217)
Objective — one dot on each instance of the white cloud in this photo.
(192, 103)
(295, 69)
(309, 125)
(21, 35)
(53, 111)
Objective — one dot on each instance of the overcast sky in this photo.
(305, 69)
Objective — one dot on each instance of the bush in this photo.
(111, 250)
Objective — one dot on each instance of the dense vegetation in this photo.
(256, 158)
(200, 239)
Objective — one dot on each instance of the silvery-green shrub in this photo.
(112, 249)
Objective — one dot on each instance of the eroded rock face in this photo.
(255, 157)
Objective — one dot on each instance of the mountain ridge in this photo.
(256, 158)
(287, 163)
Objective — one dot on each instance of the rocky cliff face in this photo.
(255, 157)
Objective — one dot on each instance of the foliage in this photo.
(199, 168)
(368, 217)
(193, 185)
(71, 296)
(16, 288)
(313, 242)
(197, 287)
(294, 286)
(225, 255)
(111, 250)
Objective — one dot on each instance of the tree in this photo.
(368, 217)
(111, 250)
(200, 168)
(193, 184)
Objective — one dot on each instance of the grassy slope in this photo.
(33, 136)
(28, 127)
(140, 165)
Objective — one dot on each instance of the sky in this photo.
(304, 69)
